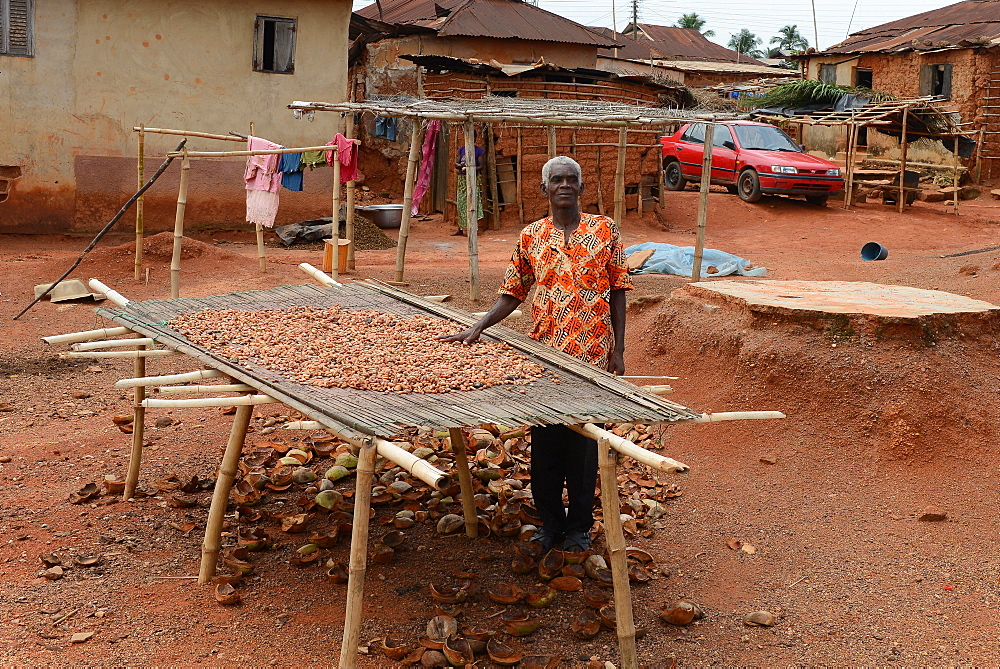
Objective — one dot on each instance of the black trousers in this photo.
(560, 456)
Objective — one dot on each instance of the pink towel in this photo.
(347, 153)
(262, 171)
(426, 165)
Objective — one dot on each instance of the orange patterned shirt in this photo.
(571, 309)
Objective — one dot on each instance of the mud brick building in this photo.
(76, 76)
(477, 48)
(952, 52)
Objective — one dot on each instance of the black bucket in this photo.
(874, 251)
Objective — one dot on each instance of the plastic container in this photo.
(874, 251)
(341, 255)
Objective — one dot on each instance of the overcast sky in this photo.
(727, 17)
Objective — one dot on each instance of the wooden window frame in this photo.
(27, 50)
(260, 45)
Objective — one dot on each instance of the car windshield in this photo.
(765, 138)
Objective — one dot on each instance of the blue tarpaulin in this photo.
(670, 259)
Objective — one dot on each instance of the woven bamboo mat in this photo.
(584, 394)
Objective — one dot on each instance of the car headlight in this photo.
(784, 169)
(835, 172)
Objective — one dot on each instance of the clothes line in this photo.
(267, 152)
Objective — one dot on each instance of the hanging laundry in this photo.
(428, 150)
(347, 153)
(263, 179)
(386, 127)
(314, 159)
(291, 170)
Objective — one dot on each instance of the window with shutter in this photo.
(274, 45)
(17, 18)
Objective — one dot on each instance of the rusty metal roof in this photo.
(672, 43)
(642, 48)
(503, 19)
(968, 24)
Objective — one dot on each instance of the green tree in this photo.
(695, 22)
(790, 39)
(746, 43)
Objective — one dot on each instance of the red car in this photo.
(749, 159)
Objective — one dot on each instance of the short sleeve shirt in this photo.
(571, 310)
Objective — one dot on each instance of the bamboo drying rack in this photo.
(525, 112)
(257, 390)
(185, 157)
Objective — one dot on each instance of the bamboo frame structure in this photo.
(624, 624)
(472, 209)
(706, 179)
(220, 496)
(416, 136)
(620, 177)
(954, 179)
(138, 430)
(903, 148)
(457, 438)
(351, 188)
(335, 219)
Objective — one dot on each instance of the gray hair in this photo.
(561, 160)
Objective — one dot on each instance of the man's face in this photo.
(564, 186)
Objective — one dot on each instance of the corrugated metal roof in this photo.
(503, 19)
(631, 49)
(962, 25)
(689, 44)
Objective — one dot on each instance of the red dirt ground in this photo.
(877, 430)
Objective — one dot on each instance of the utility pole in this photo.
(635, 18)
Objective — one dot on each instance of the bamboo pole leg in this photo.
(138, 429)
(706, 180)
(220, 497)
(517, 178)
(335, 216)
(141, 169)
(472, 200)
(464, 481)
(261, 256)
(600, 185)
(351, 186)
(620, 177)
(411, 174)
(903, 146)
(175, 259)
(616, 551)
(359, 553)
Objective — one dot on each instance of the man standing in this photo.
(578, 262)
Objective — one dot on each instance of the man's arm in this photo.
(616, 361)
(501, 310)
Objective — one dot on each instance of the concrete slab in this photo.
(846, 297)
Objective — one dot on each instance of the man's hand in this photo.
(616, 363)
(470, 336)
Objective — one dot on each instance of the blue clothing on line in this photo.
(291, 170)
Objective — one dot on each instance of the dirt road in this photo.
(828, 498)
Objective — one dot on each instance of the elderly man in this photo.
(578, 262)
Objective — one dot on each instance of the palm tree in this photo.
(746, 43)
(790, 39)
(695, 22)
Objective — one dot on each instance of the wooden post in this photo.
(903, 146)
(411, 177)
(600, 185)
(175, 260)
(141, 169)
(954, 176)
(138, 428)
(261, 256)
(978, 169)
(464, 481)
(220, 497)
(616, 552)
(620, 178)
(359, 551)
(335, 218)
(852, 132)
(517, 176)
(553, 147)
(662, 174)
(638, 198)
(491, 178)
(706, 180)
(351, 185)
(471, 200)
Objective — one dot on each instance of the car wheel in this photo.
(673, 178)
(818, 200)
(748, 186)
